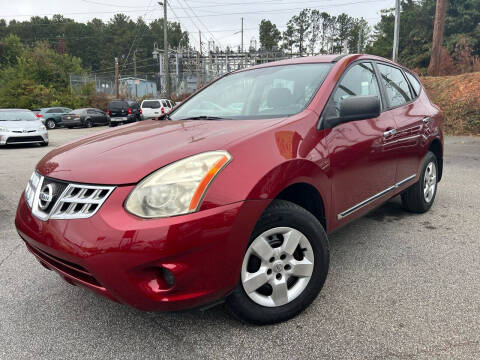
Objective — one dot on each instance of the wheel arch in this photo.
(437, 148)
(299, 181)
(306, 196)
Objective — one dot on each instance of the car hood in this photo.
(21, 125)
(129, 153)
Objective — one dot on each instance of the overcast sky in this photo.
(216, 19)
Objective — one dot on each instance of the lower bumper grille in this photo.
(21, 139)
(73, 270)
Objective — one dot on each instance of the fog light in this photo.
(168, 276)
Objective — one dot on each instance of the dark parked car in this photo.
(124, 111)
(51, 117)
(233, 194)
(87, 117)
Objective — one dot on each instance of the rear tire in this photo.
(50, 124)
(419, 197)
(291, 271)
(88, 123)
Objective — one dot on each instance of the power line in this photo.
(209, 15)
(136, 34)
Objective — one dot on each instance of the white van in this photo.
(152, 108)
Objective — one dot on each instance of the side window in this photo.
(164, 103)
(91, 112)
(360, 80)
(414, 82)
(51, 111)
(398, 92)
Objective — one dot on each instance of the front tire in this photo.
(88, 123)
(284, 267)
(419, 197)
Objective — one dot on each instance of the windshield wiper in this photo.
(205, 117)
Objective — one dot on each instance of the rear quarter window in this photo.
(417, 87)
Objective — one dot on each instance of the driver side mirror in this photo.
(355, 108)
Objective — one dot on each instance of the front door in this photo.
(361, 161)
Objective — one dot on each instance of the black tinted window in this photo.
(359, 80)
(118, 105)
(398, 92)
(154, 104)
(414, 82)
(91, 112)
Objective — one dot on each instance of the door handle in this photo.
(426, 120)
(390, 133)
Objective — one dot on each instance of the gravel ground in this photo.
(400, 286)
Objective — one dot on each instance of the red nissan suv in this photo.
(231, 195)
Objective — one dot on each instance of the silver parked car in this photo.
(19, 126)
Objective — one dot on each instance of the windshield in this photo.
(77, 111)
(275, 91)
(151, 104)
(17, 116)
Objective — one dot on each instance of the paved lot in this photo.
(401, 286)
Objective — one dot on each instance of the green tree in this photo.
(11, 49)
(269, 35)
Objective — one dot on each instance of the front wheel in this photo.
(88, 123)
(284, 267)
(419, 197)
(51, 124)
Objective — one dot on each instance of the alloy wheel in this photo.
(429, 181)
(51, 124)
(277, 266)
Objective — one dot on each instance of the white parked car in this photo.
(19, 126)
(152, 108)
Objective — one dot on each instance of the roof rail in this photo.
(341, 56)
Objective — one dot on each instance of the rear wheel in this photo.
(88, 123)
(50, 124)
(284, 267)
(420, 196)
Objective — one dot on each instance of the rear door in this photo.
(92, 115)
(409, 115)
(361, 163)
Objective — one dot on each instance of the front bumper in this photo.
(33, 137)
(122, 257)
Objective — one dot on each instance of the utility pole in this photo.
(116, 79)
(200, 41)
(438, 27)
(135, 63)
(199, 81)
(165, 47)
(396, 31)
(241, 48)
(135, 71)
(199, 59)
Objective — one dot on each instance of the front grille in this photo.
(22, 131)
(21, 139)
(55, 199)
(74, 270)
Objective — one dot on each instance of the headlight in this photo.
(42, 128)
(177, 188)
(3, 129)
